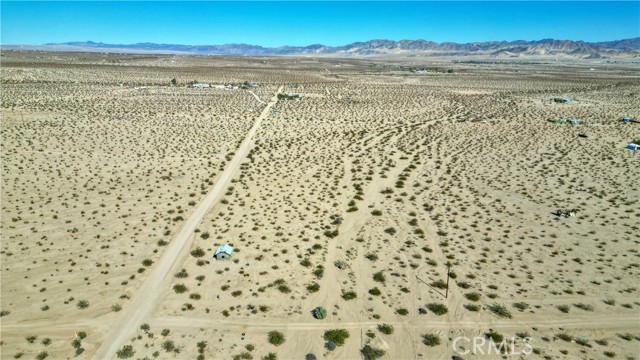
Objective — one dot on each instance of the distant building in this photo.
(198, 85)
(223, 252)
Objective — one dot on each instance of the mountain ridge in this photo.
(375, 47)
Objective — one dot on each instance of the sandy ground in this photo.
(112, 181)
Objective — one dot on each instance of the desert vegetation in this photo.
(352, 200)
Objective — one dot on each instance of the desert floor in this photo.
(117, 187)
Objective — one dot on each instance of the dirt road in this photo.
(147, 297)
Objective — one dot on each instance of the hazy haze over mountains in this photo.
(619, 48)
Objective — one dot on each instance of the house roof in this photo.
(226, 248)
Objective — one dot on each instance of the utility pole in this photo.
(446, 295)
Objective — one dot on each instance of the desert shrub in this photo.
(319, 272)
(473, 296)
(145, 327)
(116, 307)
(385, 329)
(147, 262)
(584, 307)
(371, 256)
(125, 352)
(165, 332)
(439, 284)
(438, 309)
(320, 313)
(182, 274)
(197, 252)
(379, 277)
(330, 345)
(521, 306)
(564, 336)
(168, 345)
(431, 339)
(331, 234)
(349, 295)
(270, 356)
(494, 336)
(375, 291)
(310, 356)
(305, 262)
(371, 353)
(626, 336)
(563, 308)
(276, 338)
(338, 336)
(376, 213)
(42, 355)
(472, 307)
(180, 288)
(583, 342)
(313, 287)
(82, 304)
(402, 311)
(499, 310)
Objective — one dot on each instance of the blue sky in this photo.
(304, 23)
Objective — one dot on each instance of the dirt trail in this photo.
(149, 293)
(257, 98)
(583, 322)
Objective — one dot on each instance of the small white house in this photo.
(223, 252)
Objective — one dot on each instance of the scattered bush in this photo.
(349, 295)
(338, 336)
(125, 352)
(276, 338)
(438, 309)
(197, 252)
(473, 296)
(320, 313)
(500, 310)
(82, 304)
(385, 329)
(370, 353)
(168, 346)
(180, 288)
(431, 339)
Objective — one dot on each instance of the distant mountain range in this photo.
(627, 48)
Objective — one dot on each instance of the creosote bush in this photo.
(338, 336)
(431, 339)
(276, 338)
(438, 309)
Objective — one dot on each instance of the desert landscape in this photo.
(377, 208)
